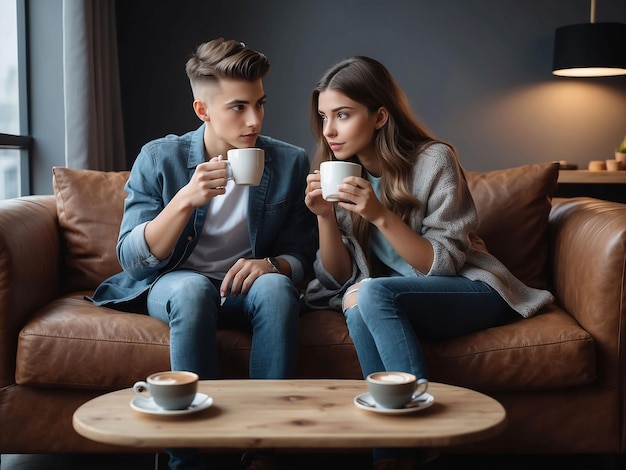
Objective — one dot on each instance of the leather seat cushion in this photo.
(72, 343)
(547, 351)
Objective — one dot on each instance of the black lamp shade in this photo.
(590, 49)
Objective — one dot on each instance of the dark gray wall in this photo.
(476, 72)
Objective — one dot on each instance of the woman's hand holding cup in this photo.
(313, 196)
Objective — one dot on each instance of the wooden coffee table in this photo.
(248, 414)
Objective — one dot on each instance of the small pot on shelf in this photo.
(621, 157)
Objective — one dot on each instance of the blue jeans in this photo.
(391, 313)
(190, 303)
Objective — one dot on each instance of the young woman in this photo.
(400, 256)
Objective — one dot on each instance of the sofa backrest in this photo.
(90, 205)
(513, 206)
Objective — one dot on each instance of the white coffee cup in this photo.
(171, 390)
(245, 166)
(332, 174)
(395, 389)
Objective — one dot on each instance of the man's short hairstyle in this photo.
(219, 59)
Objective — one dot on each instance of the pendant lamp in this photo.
(590, 49)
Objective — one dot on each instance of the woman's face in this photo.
(347, 125)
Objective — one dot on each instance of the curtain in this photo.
(94, 132)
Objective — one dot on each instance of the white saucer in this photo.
(147, 405)
(420, 403)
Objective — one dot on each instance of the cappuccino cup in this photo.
(171, 390)
(332, 174)
(395, 389)
(245, 166)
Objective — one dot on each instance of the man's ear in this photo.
(201, 110)
(382, 115)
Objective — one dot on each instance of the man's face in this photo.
(234, 114)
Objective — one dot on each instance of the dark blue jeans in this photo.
(392, 313)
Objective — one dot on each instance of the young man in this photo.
(200, 252)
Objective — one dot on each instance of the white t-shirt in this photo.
(225, 236)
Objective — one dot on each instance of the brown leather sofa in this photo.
(560, 374)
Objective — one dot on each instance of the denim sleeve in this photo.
(134, 254)
(144, 202)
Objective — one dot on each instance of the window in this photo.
(14, 140)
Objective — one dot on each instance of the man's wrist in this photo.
(274, 265)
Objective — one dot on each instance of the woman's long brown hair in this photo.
(398, 143)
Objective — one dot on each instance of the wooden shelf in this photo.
(592, 177)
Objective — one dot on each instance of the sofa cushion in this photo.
(513, 206)
(90, 205)
(71, 343)
(547, 351)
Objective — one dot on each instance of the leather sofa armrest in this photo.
(588, 255)
(29, 269)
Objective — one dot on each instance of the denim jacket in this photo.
(279, 223)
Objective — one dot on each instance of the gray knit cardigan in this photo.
(447, 218)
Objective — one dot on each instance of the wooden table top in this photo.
(292, 414)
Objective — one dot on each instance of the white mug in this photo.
(332, 174)
(245, 166)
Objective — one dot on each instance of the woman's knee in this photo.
(371, 292)
(373, 298)
(352, 314)
(351, 296)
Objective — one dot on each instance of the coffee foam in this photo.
(172, 378)
(392, 377)
(164, 380)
